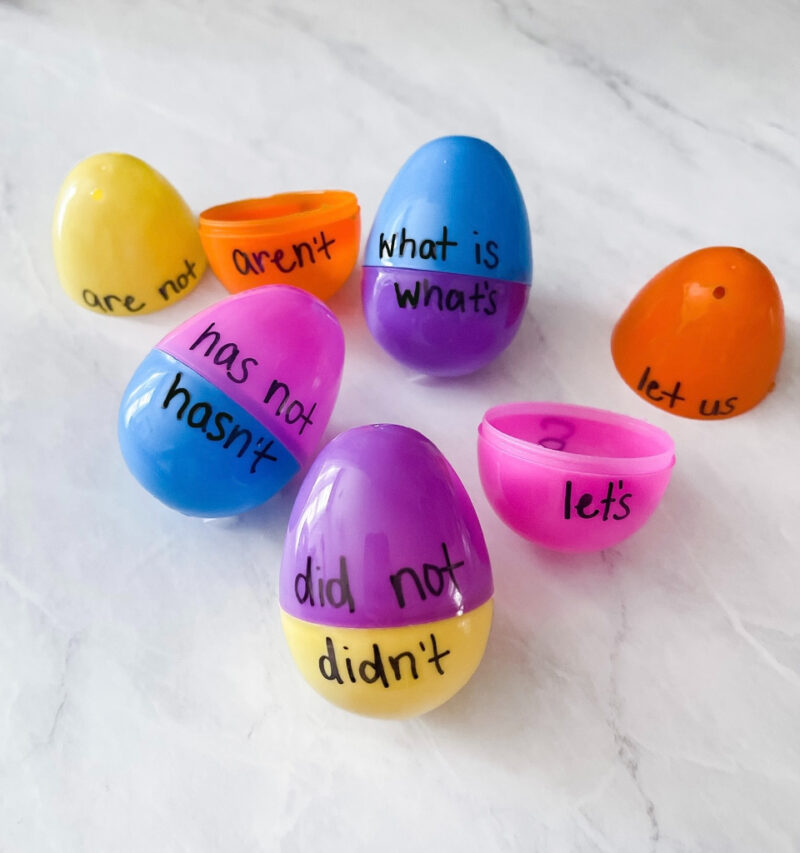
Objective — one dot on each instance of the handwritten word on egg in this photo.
(199, 414)
(454, 299)
(655, 391)
(373, 669)
(293, 256)
(406, 247)
(237, 369)
(110, 303)
(174, 286)
(336, 592)
(583, 506)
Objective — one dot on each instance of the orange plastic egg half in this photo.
(703, 338)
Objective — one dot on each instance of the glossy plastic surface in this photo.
(309, 240)
(396, 672)
(125, 243)
(465, 185)
(475, 320)
(277, 351)
(571, 477)
(189, 445)
(453, 219)
(262, 366)
(384, 500)
(383, 536)
(704, 338)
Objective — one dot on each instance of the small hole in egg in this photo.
(719, 292)
(96, 194)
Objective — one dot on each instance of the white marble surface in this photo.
(645, 699)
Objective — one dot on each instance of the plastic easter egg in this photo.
(572, 478)
(704, 338)
(309, 240)
(385, 585)
(125, 242)
(231, 404)
(448, 267)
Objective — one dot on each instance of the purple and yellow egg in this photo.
(386, 585)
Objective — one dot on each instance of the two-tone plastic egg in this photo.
(230, 405)
(448, 267)
(386, 585)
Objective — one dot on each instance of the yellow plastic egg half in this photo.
(424, 665)
(125, 242)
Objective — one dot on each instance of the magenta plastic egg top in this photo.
(581, 438)
(383, 534)
(571, 477)
(276, 351)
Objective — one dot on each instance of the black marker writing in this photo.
(427, 249)
(716, 409)
(372, 669)
(106, 303)
(201, 415)
(483, 297)
(295, 411)
(335, 592)
(294, 256)
(584, 505)
(180, 282)
(650, 387)
(432, 581)
(226, 355)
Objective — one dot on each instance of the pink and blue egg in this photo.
(228, 407)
